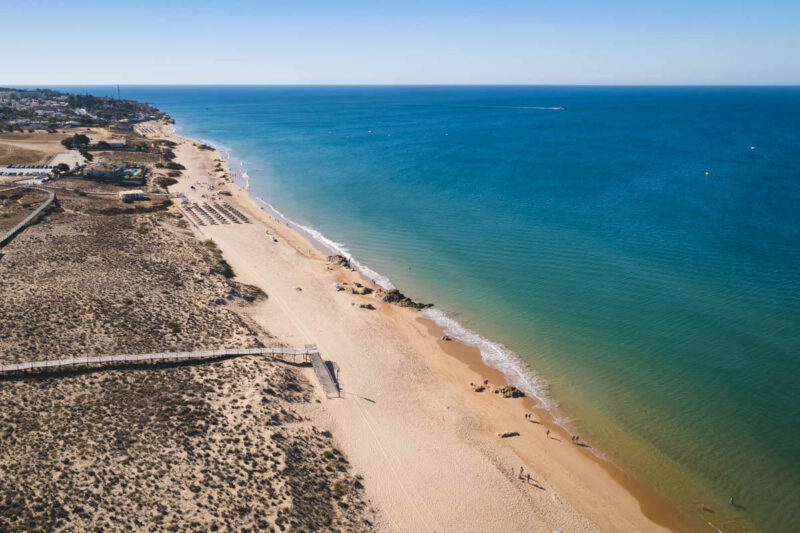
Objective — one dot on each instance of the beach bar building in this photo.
(105, 170)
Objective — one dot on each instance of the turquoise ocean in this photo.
(629, 255)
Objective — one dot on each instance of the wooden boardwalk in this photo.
(323, 372)
(16, 229)
(153, 358)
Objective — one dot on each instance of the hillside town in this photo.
(45, 108)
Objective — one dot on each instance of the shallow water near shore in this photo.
(639, 249)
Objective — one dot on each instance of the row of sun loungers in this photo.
(193, 216)
(214, 214)
(205, 216)
(235, 212)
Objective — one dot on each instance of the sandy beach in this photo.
(431, 439)
(409, 419)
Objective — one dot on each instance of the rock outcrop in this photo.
(399, 299)
(509, 392)
(339, 260)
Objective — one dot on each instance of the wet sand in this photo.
(426, 442)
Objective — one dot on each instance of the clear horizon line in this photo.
(111, 84)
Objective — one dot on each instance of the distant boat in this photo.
(560, 108)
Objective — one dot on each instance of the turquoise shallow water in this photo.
(661, 304)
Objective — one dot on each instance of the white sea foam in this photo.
(242, 178)
(493, 353)
(329, 245)
(499, 357)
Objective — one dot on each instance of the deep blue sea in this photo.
(638, 249)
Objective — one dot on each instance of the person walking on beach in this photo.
(547, 435)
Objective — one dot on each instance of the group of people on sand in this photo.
(575, 438)
(522, 477)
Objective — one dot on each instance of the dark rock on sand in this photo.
(339, 260)
(396, 297)
(510, 392)
(361, 290)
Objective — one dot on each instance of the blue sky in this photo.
(400, 42)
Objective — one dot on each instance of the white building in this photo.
(105, 170)
(135, 194)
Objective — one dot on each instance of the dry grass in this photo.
(29, 148)
(10, 154)
(217, 446)
(91, 185)
(133, 158)
(81, 282)
(203, 448)
(16, 205)
(38, 136)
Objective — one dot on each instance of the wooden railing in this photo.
(152, 358)
(16, 229)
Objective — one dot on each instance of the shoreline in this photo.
(526, 378)
(655, 510)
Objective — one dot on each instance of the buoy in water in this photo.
(706, 172)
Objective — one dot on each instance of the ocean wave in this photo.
(240, 175)
(494, 354)
(242, 178)
(499, 357)
(332, 247)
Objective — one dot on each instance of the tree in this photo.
(76, 142)
(61, 168)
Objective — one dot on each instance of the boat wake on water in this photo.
(540, 108)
